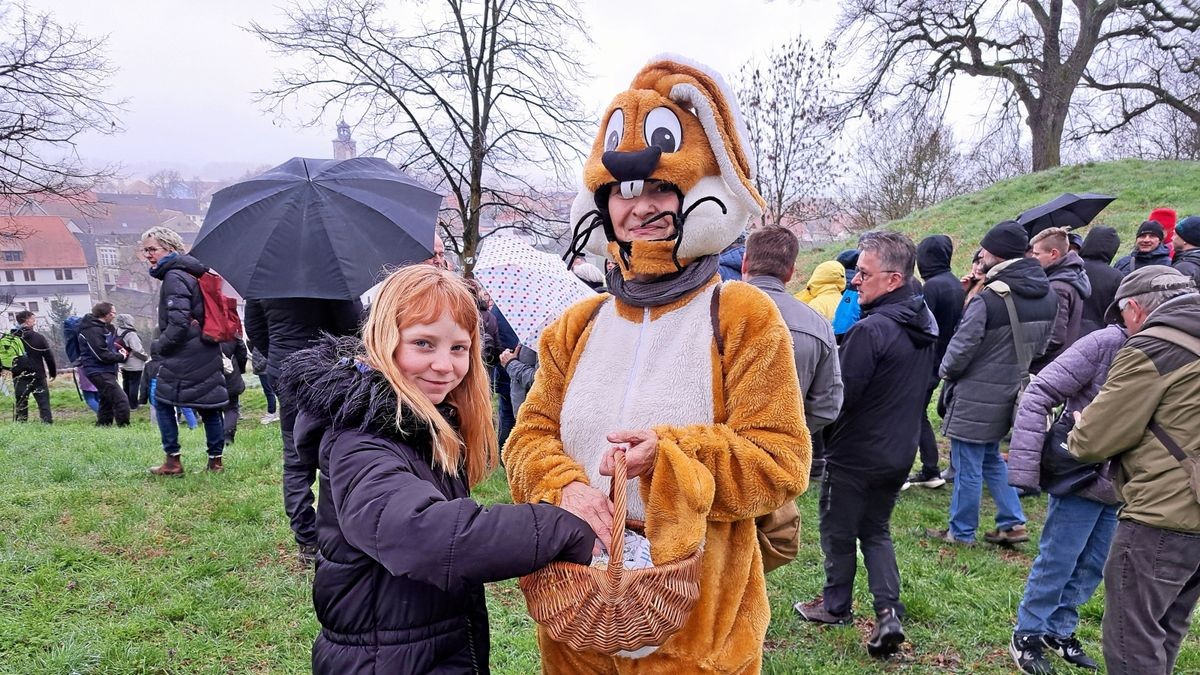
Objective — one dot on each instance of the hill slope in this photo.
(1139, 186)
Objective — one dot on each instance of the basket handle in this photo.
(616, 545)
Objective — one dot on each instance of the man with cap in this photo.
(1187, 248)
(1149, 248)
(1145, 416)
(984, 371)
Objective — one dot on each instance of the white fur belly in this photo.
(637, 376)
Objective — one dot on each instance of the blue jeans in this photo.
(975, 463)
(168, 428)
(1069, 566)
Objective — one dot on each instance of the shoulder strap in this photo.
(714, 313)
(1168, 442)
(1018, 332)
(1174, 336)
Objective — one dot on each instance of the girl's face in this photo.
(434, 357)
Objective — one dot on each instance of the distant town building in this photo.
(43, 261)
(344, 147)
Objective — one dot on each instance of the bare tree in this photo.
(1035, 51)
(904, 161)
(999, 154)
(52, 83)
(166, 182)
(479, 97)
(789, 116)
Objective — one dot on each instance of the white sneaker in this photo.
(269, 417)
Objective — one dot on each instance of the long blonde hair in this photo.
(421, 294)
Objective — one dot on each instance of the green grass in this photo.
(1140, 186)
(104, 569)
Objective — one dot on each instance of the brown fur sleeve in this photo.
(534, 460)
(759, 457)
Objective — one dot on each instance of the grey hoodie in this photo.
(128, 335)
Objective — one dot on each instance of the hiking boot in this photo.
(945, 536)
(1071, 651)
(815, 611)
(1013, 535)
(171, 467)
(887, 636)
(214, 465)
(1026, 651)
(924, 478)
(307, 553)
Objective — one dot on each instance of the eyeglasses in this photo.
(866, 276)
(152, 249)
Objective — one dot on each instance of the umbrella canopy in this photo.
(1072, 211)
(317, 228)
(530, 287)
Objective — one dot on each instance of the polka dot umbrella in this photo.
(530, 287)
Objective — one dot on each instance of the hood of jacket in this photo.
(125, 321)
(848, 259)
(1181, 313)
(331, 383)
(1024, 276)
(1101, 243)
(90, 321)
(180, 261)
(1192, 255)
(907, 309)
(1070, 270)
(828, 277)
(933, 255)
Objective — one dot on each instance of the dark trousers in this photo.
(230, 413)
(114, 405)
(31, 384)
(130, 381)
(299, 472)
(857, 509)
(508, 417)
(268, 391)
(927, 445)
(1152, 583)
(168, 428)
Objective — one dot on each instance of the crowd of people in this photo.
(722, 398)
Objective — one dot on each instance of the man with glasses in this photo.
(886, 358)
(985, 365)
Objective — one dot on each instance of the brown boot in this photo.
(171, 467)
(214, 465)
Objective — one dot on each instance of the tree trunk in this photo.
(1046, 129)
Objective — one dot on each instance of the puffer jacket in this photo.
(1099, 248)
(403, 549)
(729, 264)
(1188, 263)
(1137, 259)
(981, 369)
(1074, 378)
(190, 373)
(1070, 284)
(824, 289)
(1158, 379)
(944, 294)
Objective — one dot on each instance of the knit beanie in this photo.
(1152, 227)
(1188, 230)
(1006, 240)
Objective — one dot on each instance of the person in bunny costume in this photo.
(695, 379)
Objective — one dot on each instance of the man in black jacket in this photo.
(886, 361)
(1187, 248)
(278, 328)
(944, 296)
(1148, 249)
(99, 357)
(1099, 249)
(29, 371)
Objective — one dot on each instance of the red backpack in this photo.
(221, 321)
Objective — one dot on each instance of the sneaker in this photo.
(1071, 651)
(948, 474)
(269, 418)
(1013, 535)
(926, 479)
(1026, 651)
(815, 611)
(945, 536)
(887, 636)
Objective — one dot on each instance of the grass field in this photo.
(105, 569)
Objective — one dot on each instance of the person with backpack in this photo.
(99, 355)
(190, 372)
(29, 368)
(131, 370)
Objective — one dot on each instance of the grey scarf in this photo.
(665, 289)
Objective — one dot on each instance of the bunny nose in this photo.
(626, 166)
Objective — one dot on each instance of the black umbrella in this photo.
(1069, 210)
(317, 228)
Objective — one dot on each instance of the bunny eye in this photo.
(615, 130)
(663, 130)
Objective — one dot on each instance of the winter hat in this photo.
(1076, 239)
(1153, 228)
(1145, 280)
(1007, 240)
(848, 258)
(1188, 230)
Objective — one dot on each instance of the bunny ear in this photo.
(693, 85)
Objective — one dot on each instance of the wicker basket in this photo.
(613, 609)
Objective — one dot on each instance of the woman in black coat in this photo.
(401, 423)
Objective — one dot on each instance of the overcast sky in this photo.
(189, 70)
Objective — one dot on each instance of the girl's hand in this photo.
(639, 456)
(593, 506)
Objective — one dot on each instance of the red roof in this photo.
(45, 242)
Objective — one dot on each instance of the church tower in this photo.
(344, 147)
